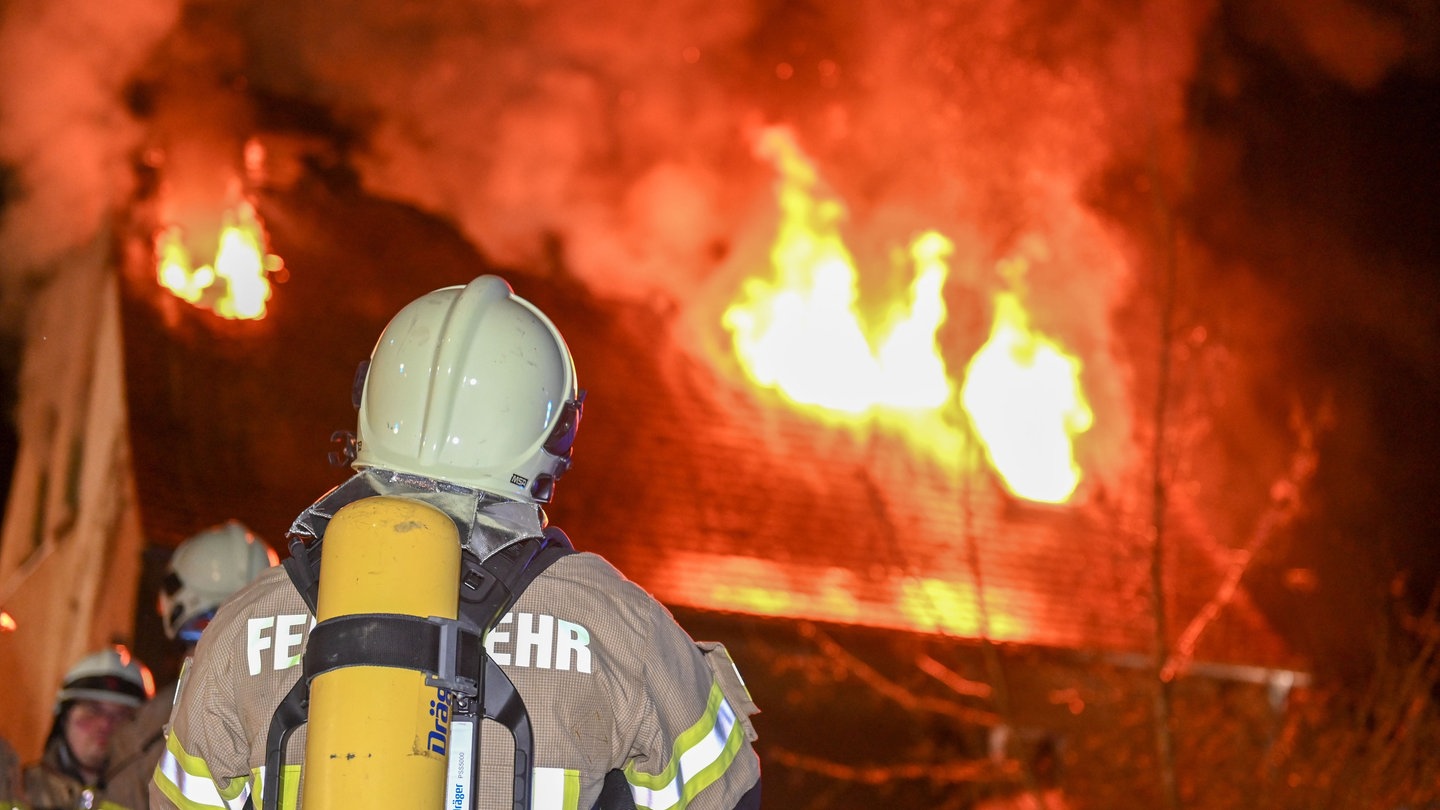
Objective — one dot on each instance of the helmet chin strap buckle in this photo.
(345, 453)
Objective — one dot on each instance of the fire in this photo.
(762, 587)
(236, 285)
(1023, 395)
(803, 335)
(955, 608)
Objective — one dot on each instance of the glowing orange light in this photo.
(236, 285)
(7, 622)
(803, 335)
(826, 593)
(1023, 395)
(764, 588)
(952, 607)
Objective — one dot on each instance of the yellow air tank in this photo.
(378, 736)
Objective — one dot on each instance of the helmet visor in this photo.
(562, 436)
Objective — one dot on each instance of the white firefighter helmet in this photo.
(204, 571)
(473, 386)
(111, 675)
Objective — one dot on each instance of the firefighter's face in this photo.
(89, 726)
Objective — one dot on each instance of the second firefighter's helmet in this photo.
(474, 386)
(109, 675)
(204, 571)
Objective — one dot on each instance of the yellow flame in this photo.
(953, 607)
(236, 286)
(7, 622)
(796, 589)
(174, 267)
(765, 588)
(1023, 395)
(240, 262)
(802, 334)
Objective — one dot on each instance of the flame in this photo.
(236, 285)
(1023, 395)
(803, 335)
(7, 622)
(954, 608)
(762, 587)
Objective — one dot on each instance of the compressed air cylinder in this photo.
(378, 736)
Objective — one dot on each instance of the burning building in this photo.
(973, 325)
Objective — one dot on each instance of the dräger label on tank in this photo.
(438, 739)
(458, 791)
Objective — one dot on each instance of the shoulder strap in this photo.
(489, 588)
(487, 591)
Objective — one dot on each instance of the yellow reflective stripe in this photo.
(556, 789)
(700, 755)
(289, 786)
(236, 794)
(185, 779)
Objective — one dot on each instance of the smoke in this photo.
(65, 133)
(619, 128)
(606, 126)
(619, 132)
(1351, 42)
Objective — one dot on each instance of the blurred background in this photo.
(1037, 398)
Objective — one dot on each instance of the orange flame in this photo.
(236, 285)
(1023, 395)
(7, 622)
(802, 334)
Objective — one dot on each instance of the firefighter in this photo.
(203, 571)
(469, 403)
(100, 693)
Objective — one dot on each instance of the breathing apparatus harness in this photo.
(450, 652)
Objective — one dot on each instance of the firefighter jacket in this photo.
(135, 751)
(608, 677)
(51, 783)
